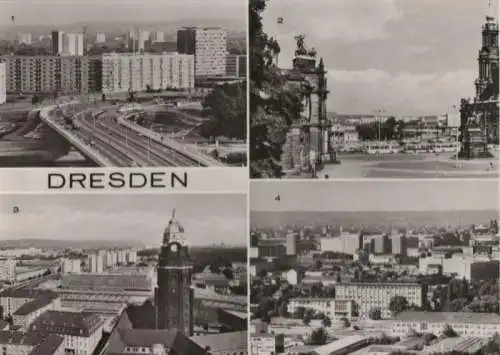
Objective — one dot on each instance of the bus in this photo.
(445, 147)
(381, 148)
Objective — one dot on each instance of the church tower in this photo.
(173, 294)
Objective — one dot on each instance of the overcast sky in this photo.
(206, 218)
(401, 56)
(43, 12)
(376, 195)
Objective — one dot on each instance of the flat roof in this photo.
(339, 344)
(449, 317)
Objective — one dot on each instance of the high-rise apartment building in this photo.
(95, 262)
(24, 38)
(100, 38)
(236, 65)
(71, 266)
(3, 83)
(208, 45)
(8, 270)
(67, 44)
(158, 37)
(123, 72)
(50, 74)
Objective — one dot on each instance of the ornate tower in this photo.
(479, 118)
(487, 82)
(173, 294)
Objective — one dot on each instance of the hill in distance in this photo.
(72, 244)
(235, 28)
(371, 219)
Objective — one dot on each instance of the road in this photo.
(124, 146)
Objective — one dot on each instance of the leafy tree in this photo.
(283, 309)
(307, 319)
(228, 273)
(327, 322)
(319, 336)
(345, 322)
(375, 314)
(299, 312)
(309, 313)
(429, 338)
(398, 304)
(226, 108)
(272, 107)
(449, 332)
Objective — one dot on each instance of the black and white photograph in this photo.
(114, 274)
(374, 89)
(393, 267)
(152, 83)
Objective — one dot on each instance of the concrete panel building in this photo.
(208, 45)
(51, 74)
(3, 83)
(123, 72)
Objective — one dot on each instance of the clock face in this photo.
(174, 247)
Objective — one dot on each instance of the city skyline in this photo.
(37, 12)
(206, 218)
(399, 56)
(361, 196)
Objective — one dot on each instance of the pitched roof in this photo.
(48, 346)
(67, 323)
(224, 342)
(33, 306)
(124, 336)
(18, 338)
(27, 293)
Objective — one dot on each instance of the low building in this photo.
(12, 299)
(460, 345)
(333, 308)
(82, 332)
(29, 312)
(341, 346)
(125, 339)
(211, 281)
(20, 343)
(465, 324)
(371, 295)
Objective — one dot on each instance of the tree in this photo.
(429, 338)
(228, 273)
(309, 313)
(272, 106)
(375, 314)
(319, 336)
(327, 322)
(449, 332)
(283, 310)
(345, 322)
(299, 312)
(398, 304)
(226, 108)
(307, 319)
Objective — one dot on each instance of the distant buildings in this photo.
(24, 38)
(3, 83)
(95, 263)
(100, 38)
(236, 65)
(123, 72)
(467, 324)
(8, 270)
(209, 47)
(158, 37)
(71, 266)
(67, 44)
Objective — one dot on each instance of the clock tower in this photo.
(173, 293)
